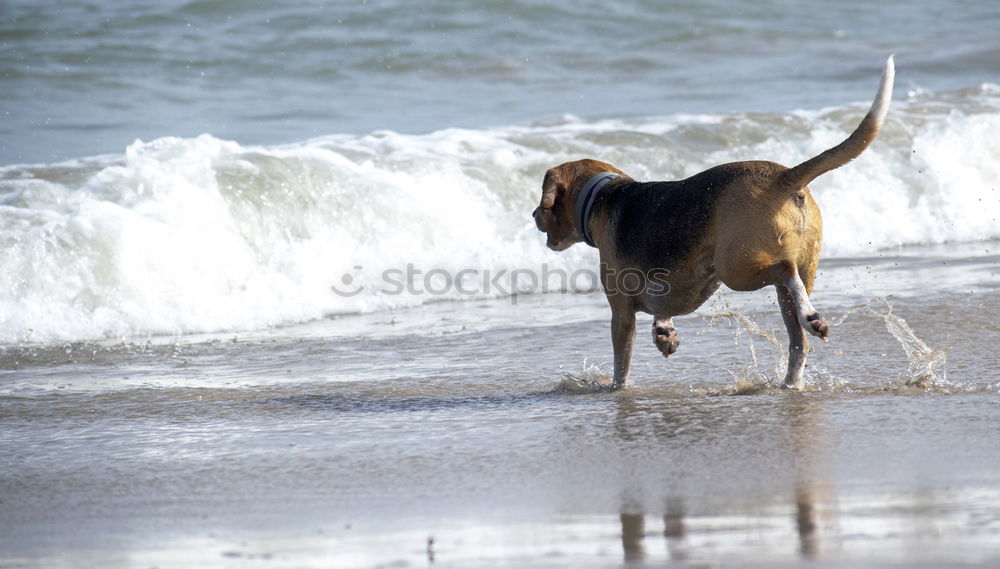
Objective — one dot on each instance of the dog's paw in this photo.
(666, 340)
(818, 326)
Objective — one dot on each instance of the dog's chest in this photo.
(662, 290)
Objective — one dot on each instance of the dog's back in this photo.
(658, 224)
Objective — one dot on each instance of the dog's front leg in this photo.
(623, 339)
(665, 335)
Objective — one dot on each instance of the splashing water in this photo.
(926, 368)
(590, 379)
(927, 365)
(752, 379)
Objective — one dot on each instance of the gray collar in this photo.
(585, 201)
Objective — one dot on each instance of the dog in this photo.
(665, 247)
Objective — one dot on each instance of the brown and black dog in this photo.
(666, 246)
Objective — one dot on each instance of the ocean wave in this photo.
(179, 235)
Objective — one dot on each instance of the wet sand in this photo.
(472, 435)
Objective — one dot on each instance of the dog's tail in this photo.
(855, 144)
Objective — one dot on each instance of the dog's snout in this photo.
(539, 219)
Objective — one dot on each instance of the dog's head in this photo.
(554, 215)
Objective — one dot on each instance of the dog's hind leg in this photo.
(665, 335)
(798, 344)
(804, 311)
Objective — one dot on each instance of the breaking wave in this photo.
(190, 235)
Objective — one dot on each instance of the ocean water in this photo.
(271, 294)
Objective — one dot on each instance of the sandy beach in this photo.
(319, 446)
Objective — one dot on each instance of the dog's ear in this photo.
(545, 217)
(551, 187)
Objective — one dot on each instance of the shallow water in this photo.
(349, 445)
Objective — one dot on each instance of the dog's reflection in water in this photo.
(675, 530)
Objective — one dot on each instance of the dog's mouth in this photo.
(556, 245)
(551, 242)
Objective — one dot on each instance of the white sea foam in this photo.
(199, 235)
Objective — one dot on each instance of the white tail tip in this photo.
(880, 106)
